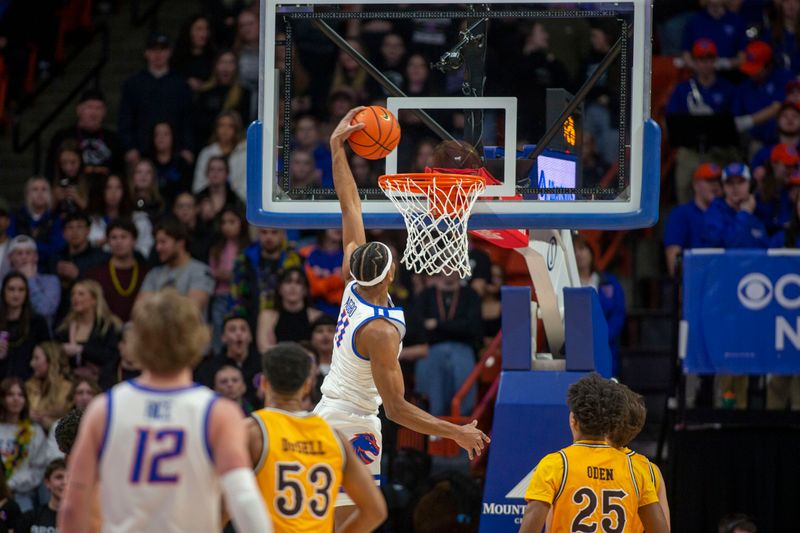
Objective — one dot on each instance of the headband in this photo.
(382, 275)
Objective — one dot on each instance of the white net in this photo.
(436, 209)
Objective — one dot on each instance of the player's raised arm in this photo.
(74, 513)
(381, 342)
(232, 460)
(353, 234)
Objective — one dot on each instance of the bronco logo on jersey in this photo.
(363, 443)
(350, 306)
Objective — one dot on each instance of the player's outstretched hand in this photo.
(471, 439)
(344, 128)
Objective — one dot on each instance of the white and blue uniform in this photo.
(156, 467)
(350, 399)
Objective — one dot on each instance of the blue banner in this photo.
(741, 312)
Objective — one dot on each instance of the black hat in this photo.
(158, 40)
(91, 94)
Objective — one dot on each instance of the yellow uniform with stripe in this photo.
(642, 465)
(591, 487)
(300, 470)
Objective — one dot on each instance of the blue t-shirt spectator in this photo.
(684, 226)
(725, 227)
(779, 240)
(720, 97)
(755, 94)
(728, 32)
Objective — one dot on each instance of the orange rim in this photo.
(424, 180)
(448, 194)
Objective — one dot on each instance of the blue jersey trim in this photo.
(206, 436)
(107, 427)
(133, 383)
(363, 301)
(367, 321)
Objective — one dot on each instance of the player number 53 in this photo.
(587, 499)
(291, 496)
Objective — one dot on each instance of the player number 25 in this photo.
(291, 496)
(587, 499)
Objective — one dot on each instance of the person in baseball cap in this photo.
(684, 227)
(704, 93)
(730, 222)
(757, 58)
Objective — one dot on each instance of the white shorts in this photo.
(364, 434)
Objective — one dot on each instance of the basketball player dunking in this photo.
(365, 370)
(161, 448)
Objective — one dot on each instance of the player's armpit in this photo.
(74, 513)
(360, 487)
(653, 518)
(535, 516)
(255, 440)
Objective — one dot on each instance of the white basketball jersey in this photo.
(156, 469)
(350, 378)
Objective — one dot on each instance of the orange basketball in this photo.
(379, 136)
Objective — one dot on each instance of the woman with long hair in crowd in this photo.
(83, 392)
(292, 317)
(23, 443)
(222, 92)
(193, 54)
(50, 388)
(228, 142)
(173, 172)
(69, 183)
(348, 73)
(144, 190)
(20, 328)
(217, 195)
(110, 199)
(784, 34)
(231, 240)
(89, 332)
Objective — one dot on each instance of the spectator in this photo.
(737, 523)
(423, 156)
(89, 332)
(302, 172)
(124, 367)
(788, 123)
(726, 29)
(50, 388)
(230, 242)
(69, 183)
(340, 101)
(246, 46)
(391, 61)
(363, 172)
(684, 227)
(452, 320)
(21, 329)
(5, 222)
(784, 34)
(238, 352)
(228, 142)
(450, 504)
(122, 275)
(217, 195)
(324, 271)
(44, 289)
(173, 171)
(83, 392)
(99, 147)
(610, 293)
(490, 305)
(790, 236)
(729, 221)
(222, 92)
(23, 444)
(38, 220)
(307, 137)
(45, 517)
(144, 190)
(9, 510)
(155, 94)
(188, 276)
(773, 206)
(256, 271)
(348, 73)
(322, 331)
(110, 200)
(292, 316)
(185, 210)
(761, 94)
(229, 383)
(301, 80)
(194, 52)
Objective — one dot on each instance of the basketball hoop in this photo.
(435, 208)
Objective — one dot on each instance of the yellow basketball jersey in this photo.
(642, 465)
(591, 487)
(300, 470)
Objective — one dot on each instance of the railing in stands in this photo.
(91, 77)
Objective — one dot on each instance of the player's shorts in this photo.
(363, 430)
